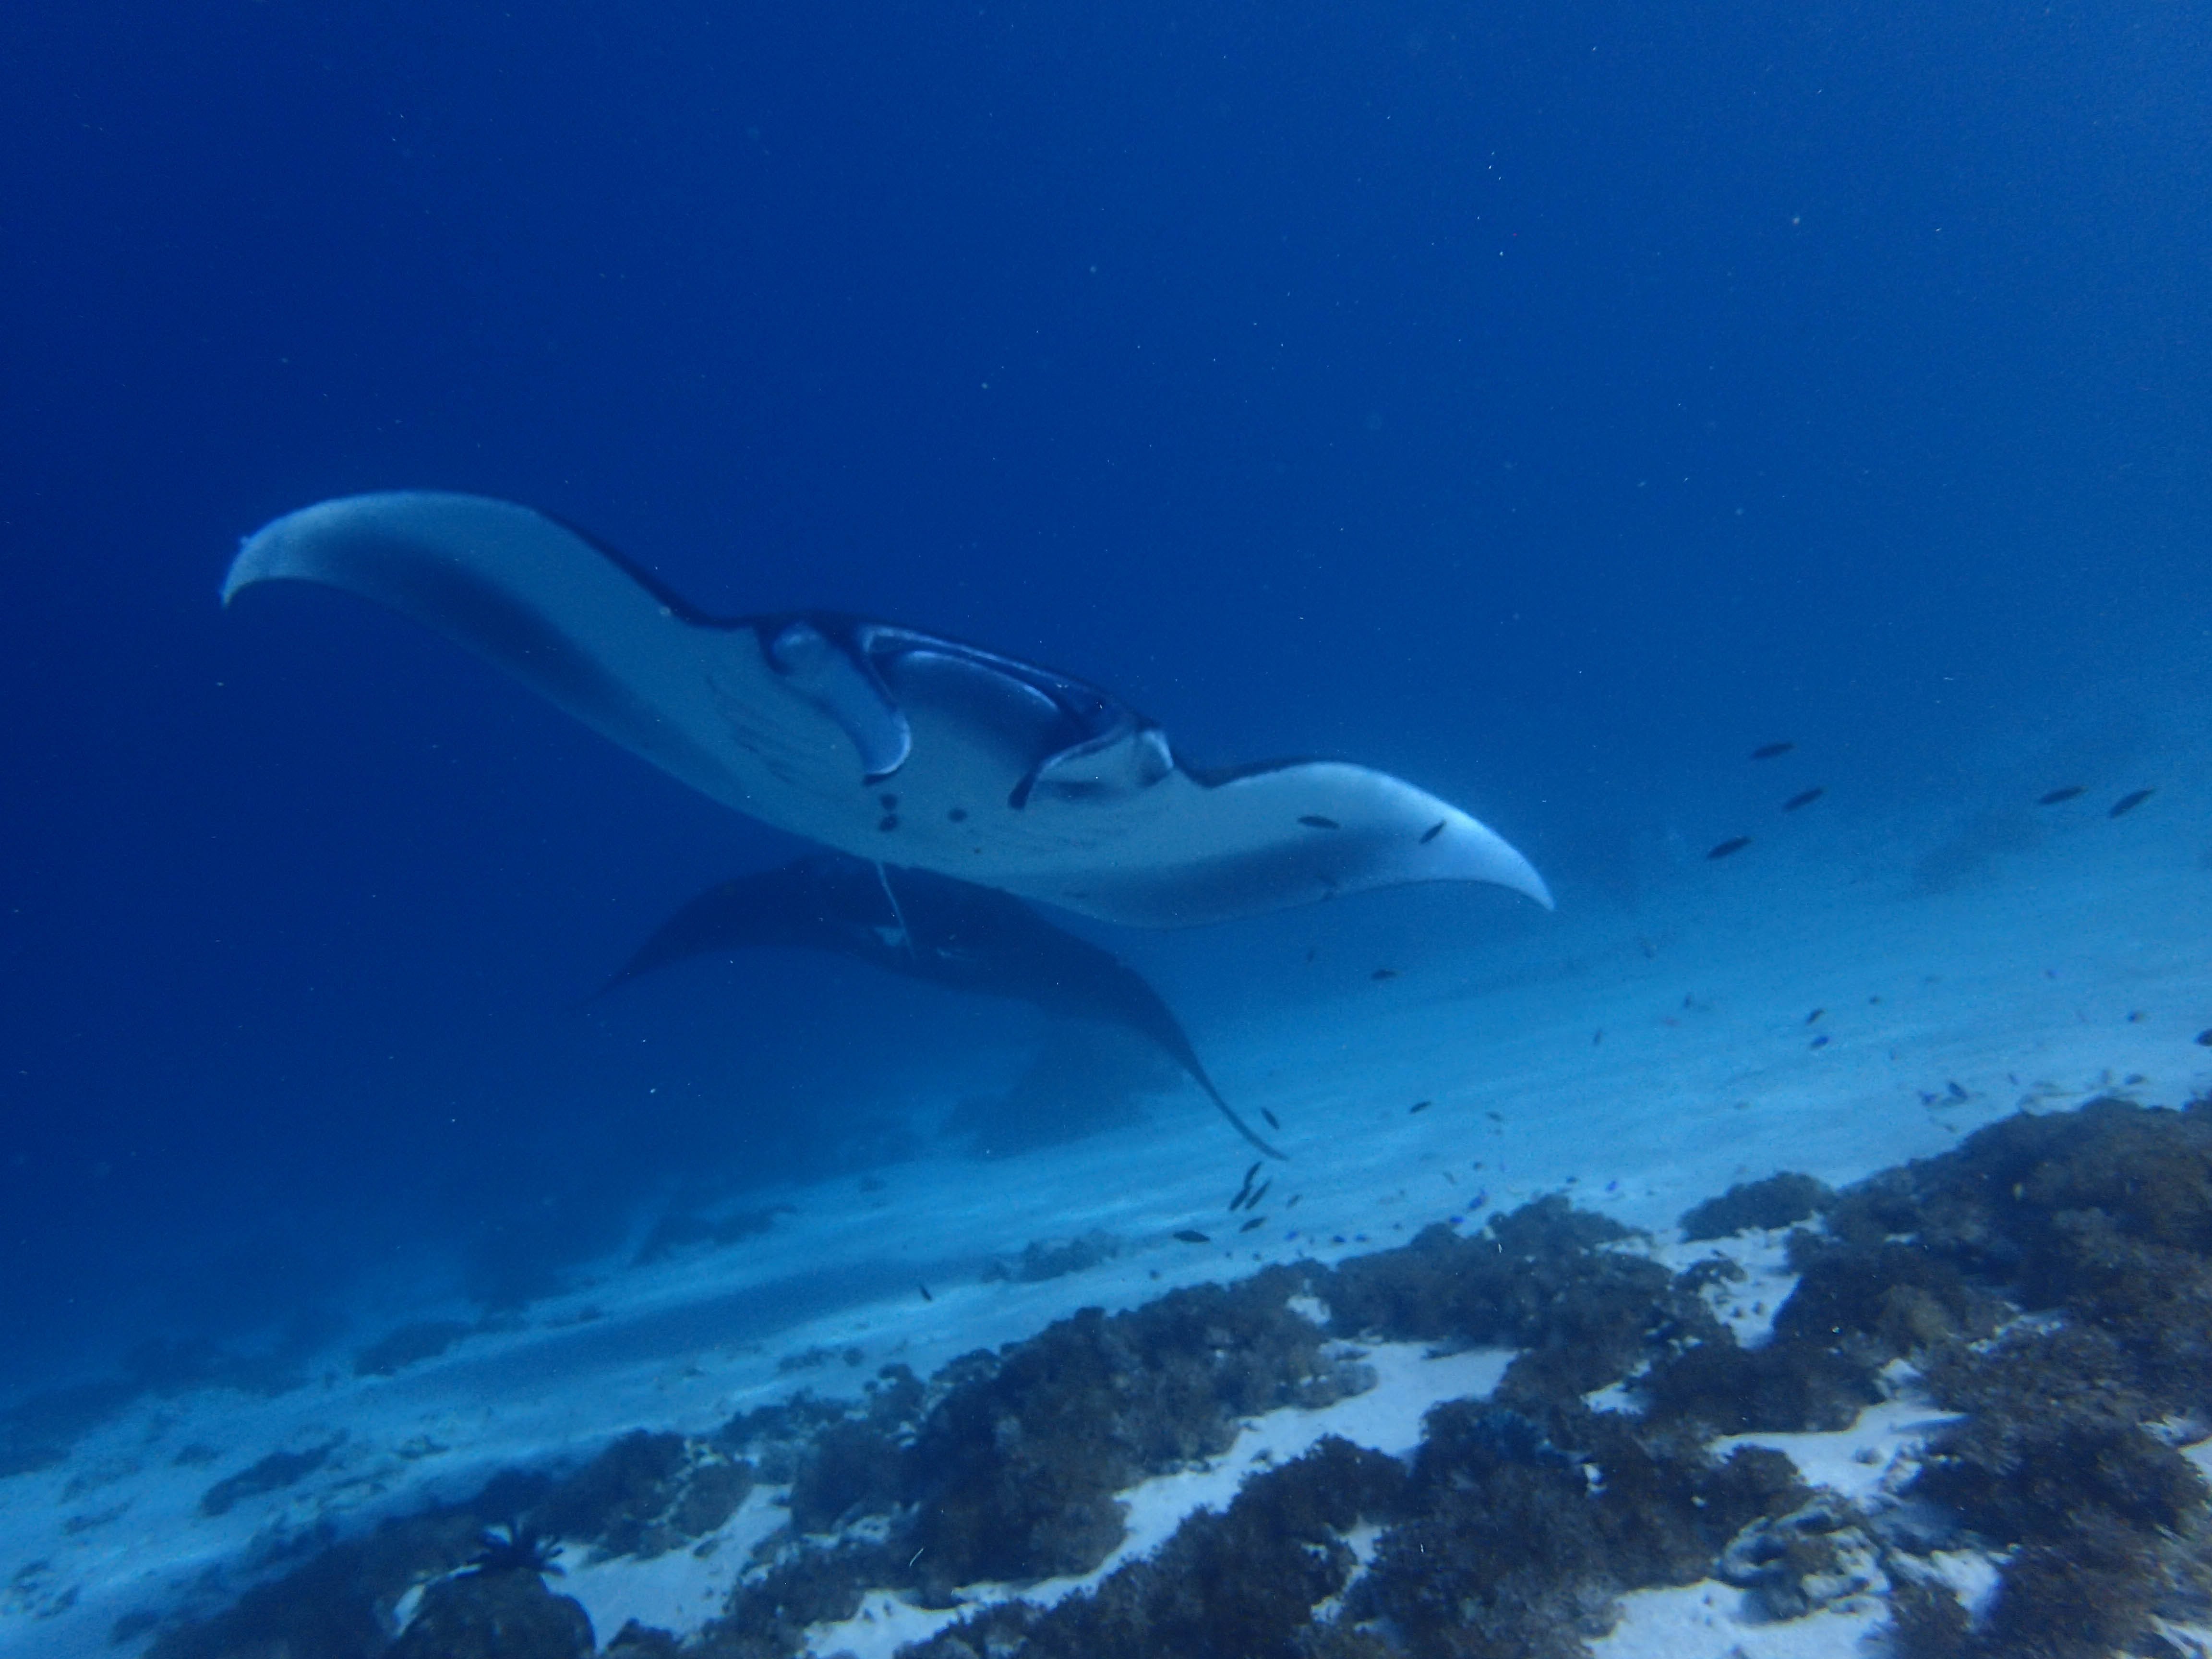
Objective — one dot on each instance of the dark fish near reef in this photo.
(2057, 795)
(1381, 974)
(1008, 774)
(1256, 1221)
(2129, 802)
(1192, 1235)
(1419, 1106)
(925, 927)
(1802, 797)
(1733, 844)
(1244, 1191)
(1770, 750)
(1273, 1122)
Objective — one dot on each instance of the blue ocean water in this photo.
(1547, 403)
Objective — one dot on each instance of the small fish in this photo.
(2057, 795)
(926, 1296)
(1821, 1041)
(1814, 1017)
(1273, 1122)
(1802, 797)
(1315, 821)
(1432, 832)
(2129, 802)
(1293, 1204)
(1957, 1092)
(1262, 1192)
(2204, 1038)
(1769, 751)
(1493, 1117)
(1597, 1037)
(1733, 844)
(1256, 1221)
(1192, 1235)
(1383, 974)
(1419, 1106)
(1310, 952)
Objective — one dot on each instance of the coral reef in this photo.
(2049, 1280)
(1776, 1201)
(505, 1615)
(408, 1346)
(272, 1473)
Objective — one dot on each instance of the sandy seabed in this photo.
(1805, 1434)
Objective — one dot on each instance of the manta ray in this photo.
(892, 745)
(927, 927)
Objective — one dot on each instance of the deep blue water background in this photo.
(1544, 401)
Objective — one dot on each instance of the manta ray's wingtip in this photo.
(1534, 886)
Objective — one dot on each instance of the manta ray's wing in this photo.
(929, 927)
(884, 742)
(825, 901)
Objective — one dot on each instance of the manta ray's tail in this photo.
(1141, 1008)
(1230, 1112)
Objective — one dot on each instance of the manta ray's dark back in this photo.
(925, 927)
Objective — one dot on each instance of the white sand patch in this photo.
(1970, 1575)
(1866, 1463)
(1746, 1305)
(1706, 1620)
(681, 1590)
(2200, 1454)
